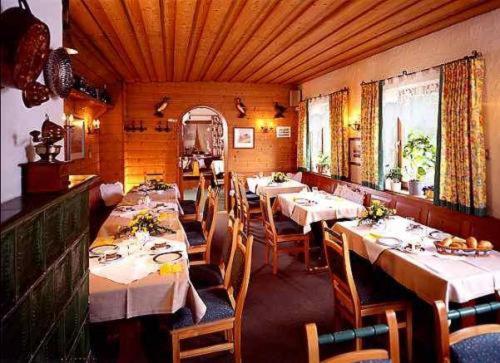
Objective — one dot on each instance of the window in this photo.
(410, 108)
(319, 134)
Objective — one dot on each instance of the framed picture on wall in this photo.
(243, 137)
(75, 142)
(355, 151)
(283, 131)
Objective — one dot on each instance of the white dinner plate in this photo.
(99, 250)
(438, 235)
(389, 241)
(167, 257)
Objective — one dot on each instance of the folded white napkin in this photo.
(126, 269)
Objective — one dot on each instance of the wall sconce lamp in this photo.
(266, 126)
(355, 124)
(93, 128)
(161, 128)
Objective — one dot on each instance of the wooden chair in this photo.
(224, 309)
(364, 293)
(249, 208)
(209, 273)
(192, 208)
(200, 234)
(392, 353)
(480, 343)
(283, 236)
(235, 185)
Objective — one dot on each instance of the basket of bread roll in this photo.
(463, 247)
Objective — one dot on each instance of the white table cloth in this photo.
(430, 275)
(265, 186)
(114, 294)
(322, 207)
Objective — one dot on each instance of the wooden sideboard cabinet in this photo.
(44, 276)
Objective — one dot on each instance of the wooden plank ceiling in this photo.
(258, 41)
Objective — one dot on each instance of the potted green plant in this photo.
(394, 177)
(323, 163)
(419, 156)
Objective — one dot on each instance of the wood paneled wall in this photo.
(111, 137)
(152, 151)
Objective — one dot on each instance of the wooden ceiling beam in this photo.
(167, 11)
(227, 23)
(88, 28)
(248, 33)
(267, 34)
(374, 47)
(88, 49)
(184, 19)
(315, 17)
(132, 9)
(101, 12)
(88, 61)
(200, 18)
(344, 26)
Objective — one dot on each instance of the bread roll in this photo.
(471, 242)
(446, 242)
(485, 245)
(458, 245)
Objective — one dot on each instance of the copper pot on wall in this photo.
(24, 41)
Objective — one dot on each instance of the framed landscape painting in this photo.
(244, 138)
(75, 145)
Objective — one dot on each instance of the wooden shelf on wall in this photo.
(81, 101)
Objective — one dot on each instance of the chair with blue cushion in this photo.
(249, 208)
(360, 291)
(200, 233)
(191, 208)
(224, 309)
(214, 271)
(282, 236)
(390, 355)
(480, 343)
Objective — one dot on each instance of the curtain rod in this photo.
(475, 54)
(344, 89)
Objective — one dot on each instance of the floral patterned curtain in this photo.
(461, 162)
(302, 159)
(339, 134)
(371, 163)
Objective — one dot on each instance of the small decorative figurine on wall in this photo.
(242, 109)
(161, 106)
(280, 110)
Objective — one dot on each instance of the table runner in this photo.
(323, 207)
(265, 186)
(430, 275)
(153, 294)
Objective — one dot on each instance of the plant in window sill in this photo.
(419, 157)
(323, 163)
(393, 179)
(429, 192)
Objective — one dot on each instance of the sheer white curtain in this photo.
(409, 104)
(319, 128)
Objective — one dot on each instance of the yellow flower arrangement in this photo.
(375, 213)
(144, 221)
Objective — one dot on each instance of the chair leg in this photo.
(275, 260)
(237, 344)
(409, 333)
(176, 349)
(306, 253)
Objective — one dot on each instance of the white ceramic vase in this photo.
(396, 187)
(388, 184)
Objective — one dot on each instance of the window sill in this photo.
(406, 193)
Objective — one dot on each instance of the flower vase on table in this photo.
(375, 215)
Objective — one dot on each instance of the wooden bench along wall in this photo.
(423, 210)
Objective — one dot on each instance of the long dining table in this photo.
(133, 285)
(430, 275)
(265, 186)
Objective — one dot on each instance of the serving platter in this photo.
(167, 257)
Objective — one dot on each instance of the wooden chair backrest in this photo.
(336, 249)
(241, 264)
(244, 206)
(208, 223)
(229, 247)
(267, 216)
(392, 353)
(445, 339)
(200, 193)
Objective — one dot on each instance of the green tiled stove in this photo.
(44, 276)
